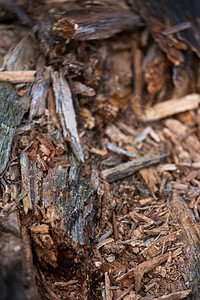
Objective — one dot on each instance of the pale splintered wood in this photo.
(65, 109)
(18, 76)
(171, 107)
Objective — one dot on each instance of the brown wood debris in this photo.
(92, 24)
(99, 149)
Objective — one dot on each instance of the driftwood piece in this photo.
(65, 109)
(12, 109)
(127, 169)
(94, 23)
(171, 107)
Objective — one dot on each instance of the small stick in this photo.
(115, 232)
(177, 28)
(18, 76)
(127, 169)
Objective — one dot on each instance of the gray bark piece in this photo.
(120, 151)
(12, 109)
(127, 169)
(39, 93)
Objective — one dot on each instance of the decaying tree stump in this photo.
(99, 150)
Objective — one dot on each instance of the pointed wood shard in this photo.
(65, 109)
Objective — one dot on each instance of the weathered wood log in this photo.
(94, 23)
(66, 199)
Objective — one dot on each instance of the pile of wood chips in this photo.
(99, 151)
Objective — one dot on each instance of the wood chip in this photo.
(171, 107)
(145, 267)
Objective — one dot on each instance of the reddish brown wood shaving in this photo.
(145, 267)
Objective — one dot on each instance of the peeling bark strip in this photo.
(65, 109)
(12, 109)
(92, 24)
(127, 169)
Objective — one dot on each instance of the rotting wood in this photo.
(107, 287)
(94, 23)
(127, 169)
(105, 70)
(159, 16)
(12, 109)
(63, 195)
